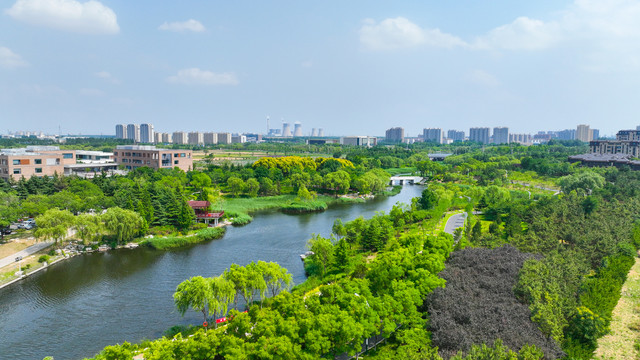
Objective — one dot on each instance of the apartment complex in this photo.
(395, 134)
(135, 156)
(479, 134)
(455, 135)
(432, 135)
(583, 133)
(500, 135)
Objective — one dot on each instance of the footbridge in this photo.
(403, 180)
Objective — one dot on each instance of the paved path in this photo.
(454, 222)
(24, 253)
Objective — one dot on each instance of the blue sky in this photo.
(350, 67)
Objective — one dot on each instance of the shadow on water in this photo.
(75, 308)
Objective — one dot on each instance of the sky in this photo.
(349, 67)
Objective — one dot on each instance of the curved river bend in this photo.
(75, 308)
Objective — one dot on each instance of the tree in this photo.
(322, 249)
(195, 293)
(275, 276)
(476, 232)
(428, 199)
(88, 227)
(252, 187)
(236, 185)
(304, 194)
(222, 295)
(338, 181)
(124, 224)
(54, 224)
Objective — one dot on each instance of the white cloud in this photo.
(522, 34)
(398, 33)
(90, 17)
(9, 59)
(91, 92)
(195, 76)
(106, 76)
(189, 25)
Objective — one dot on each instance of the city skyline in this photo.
(548, 65)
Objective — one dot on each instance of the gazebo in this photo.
(202, 210)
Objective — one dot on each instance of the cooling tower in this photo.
(314, 132)
(297, 130)
(320, 132)
(286, 129)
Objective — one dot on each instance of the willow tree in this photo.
(54, 224)
(124, 224)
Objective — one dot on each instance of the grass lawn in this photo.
(625, 322)
(15, 245)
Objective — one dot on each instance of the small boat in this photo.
(306, 255)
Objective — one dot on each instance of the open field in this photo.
(15, 245)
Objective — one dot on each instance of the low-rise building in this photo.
(135, 156)
(359, 140)
(34, 161)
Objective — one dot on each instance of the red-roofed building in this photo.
(203, 211)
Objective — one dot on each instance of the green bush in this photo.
(241, 219)
(44, 258)
(305, 206)
(171, 242)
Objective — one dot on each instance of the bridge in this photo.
(402, 180)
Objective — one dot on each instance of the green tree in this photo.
(88, 227)
(236, 185)
(54, 224)
(322, 249)
(275, 276)
(428, 199)
(123, 224)
(252, 187)
(195, 293)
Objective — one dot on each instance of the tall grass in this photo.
(170, 242)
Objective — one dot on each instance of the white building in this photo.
(432, 135)
(146, 133)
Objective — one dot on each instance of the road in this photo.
(24, 253)
(454, 222)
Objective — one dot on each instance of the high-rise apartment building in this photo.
(395, 134)
(595, 134)
(133, 132)
(583, 133)
(455, 135)
(432, 135)
(210, 138)
(479, 134)
(157, 138)
(224, 138)
(500, 135)
(567, 134)
(195, 138)
(524, 139)
(121, 131)
(180, 137)
(167, 138)
(146, 133)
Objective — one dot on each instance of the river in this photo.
(75, 308)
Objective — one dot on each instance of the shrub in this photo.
(241, 219)
(43, 258)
